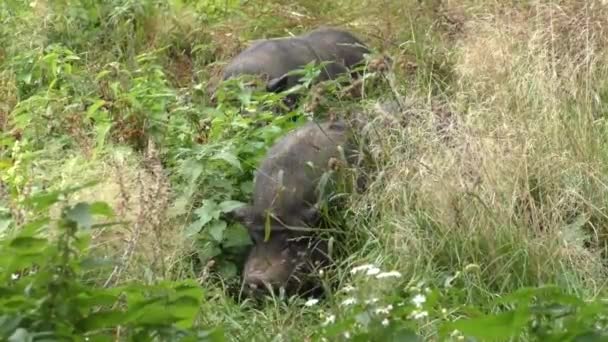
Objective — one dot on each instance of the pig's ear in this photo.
(277, 85)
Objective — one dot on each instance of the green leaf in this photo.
(216, 230)
(492, 327)
(101, 208)
(190, 288)
(42, 201)
(236, 236)
(194, 228)
(227, 269)
(81, 214)
(228, 206)
(8, 324)
(27, 244)
(179, 207)
(229, 158)
(208, 251)
(207, 212)
(155, 314)
(34, 227)
(102, 319)
(185, 309)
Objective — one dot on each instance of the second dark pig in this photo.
(273, 59)
(287, 192)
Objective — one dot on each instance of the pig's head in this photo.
(283, 262)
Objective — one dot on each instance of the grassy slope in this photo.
(517, 195)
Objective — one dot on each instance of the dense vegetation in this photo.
(485, 218)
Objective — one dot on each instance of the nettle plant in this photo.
(46, 295)
(217, 175)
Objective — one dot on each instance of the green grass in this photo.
(513, 193)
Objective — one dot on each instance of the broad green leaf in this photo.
(216, 230)
(8, 324)
(95, 298)
(27, 244)
(101, 208)
(179, 207)
(491, 327)
(236, 236)
(207, 212)
(194, 228)
(591, 336)
(229, 158)
(81, 214)
(185, 309)
(155, 314)
(42, 201)
(227, 269)
(208, 251)
(190, 288)
(102, 319)
(228, 206)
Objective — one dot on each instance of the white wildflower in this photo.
(349, 301)
(329, 320)
(348, 288)
(321, 272)
(362, 268)
(372, 301)
(444, 311)
(385, 322)
(385, 310)
(373, 271)
(419, 314)
(346, 335)
(418, 300)
(391, 274)
(311, 302)
(14, 276)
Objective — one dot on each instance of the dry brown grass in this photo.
(521, 188)
(138, 191)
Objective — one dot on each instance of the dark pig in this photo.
(286, 186)
(274, 58)
(282, 263)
